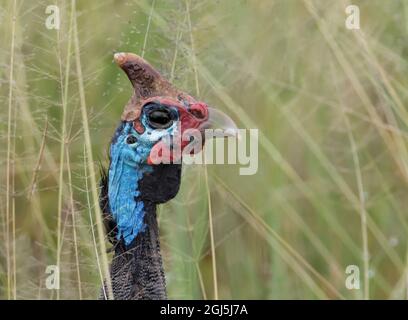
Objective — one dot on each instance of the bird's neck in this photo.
(137, 271)
(129, 195)
(126, 207)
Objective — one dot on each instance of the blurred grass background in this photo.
(330, 104)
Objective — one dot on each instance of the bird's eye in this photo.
(159, 119)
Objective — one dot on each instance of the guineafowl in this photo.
(136, 181)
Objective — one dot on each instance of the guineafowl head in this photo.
(158, 125)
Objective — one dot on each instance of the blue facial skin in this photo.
(127, 167)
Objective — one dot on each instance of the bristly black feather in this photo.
(110, 225)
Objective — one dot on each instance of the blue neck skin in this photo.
(126, 169)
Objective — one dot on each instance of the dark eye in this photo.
(159, 119)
